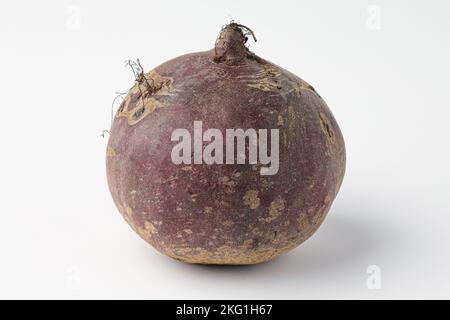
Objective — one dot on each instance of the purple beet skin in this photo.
(223, 213)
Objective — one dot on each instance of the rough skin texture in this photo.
(224, 214)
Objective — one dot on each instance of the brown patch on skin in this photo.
(129, 211)
(320, 215)
(110, 152)
(187, 168)
(276, 207)
(148, 231)
(256, 232)
(312, 210)
(279, 238)
(303, 222)
(230, 184)
(266, 184)
(121, 209)
(243, 254)
(226, 181)
(207, 210)
(251, 199)
(228, 223)
(280, 120)
(142, 97)
(326, 127)
(303, 124)
(149, 227)
(268, 79)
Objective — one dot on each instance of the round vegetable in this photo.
(221, 157)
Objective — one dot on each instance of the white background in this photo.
(388, 87)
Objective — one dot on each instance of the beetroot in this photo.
(209, 207)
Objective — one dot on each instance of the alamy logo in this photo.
(213, 153)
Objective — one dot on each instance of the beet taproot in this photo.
(223, 213)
